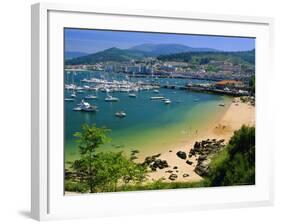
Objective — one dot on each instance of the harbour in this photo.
(151, 119)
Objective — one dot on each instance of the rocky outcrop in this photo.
(153, 162)
(204, 151)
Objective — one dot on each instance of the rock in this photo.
(135, 151)
(181, 154)
(158, 163)
(189, 162)
(170, 150)
(177, 171)
(221, 141)
(175, 167)
(197, 145)
(133, 157)
(173, 177)
(185, 175)
(202, 168)
(156, 156)
(169, 171)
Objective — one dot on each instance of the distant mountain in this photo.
(136, 52)
(205, 57)
(73, 54)
(164, 49)
(111, 54)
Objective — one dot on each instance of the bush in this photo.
(75, 186)
(236, 164)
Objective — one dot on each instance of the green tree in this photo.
(89, 139)
(113, 168)
(101, 171)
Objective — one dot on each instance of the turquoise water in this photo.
(150, 126)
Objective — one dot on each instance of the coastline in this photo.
(236, 115)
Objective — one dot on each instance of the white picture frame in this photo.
(48, 201)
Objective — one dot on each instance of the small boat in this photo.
(196, 100)
(77, 109)
(111, 99)
(221, 104)
(90, 97)
(80, 91)
(68, 99)
(85, 106)
(157, 97)
(132, 95)
(120, 114)
(156, 91)
(91, 108)
(167, 101)
(73, 95)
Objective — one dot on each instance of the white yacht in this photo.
(120, 114)
(157, 97)
(85, 106)
(73, 95)
(132, 95)
(167, 101)
(68, 99)
(111, 99)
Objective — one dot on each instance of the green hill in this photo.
(111, 54)
(205, 57)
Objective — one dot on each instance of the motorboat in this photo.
(132, 95)
(68, 99)
(111, 99)
(167, 101)
(85, 106)
(120, 114)
(157, 97)
(222, 104)
(73, 95)
(156, 91)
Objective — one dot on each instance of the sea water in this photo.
(151, 126)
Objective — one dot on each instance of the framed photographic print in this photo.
(148, 111)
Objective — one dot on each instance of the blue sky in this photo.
(91, 41)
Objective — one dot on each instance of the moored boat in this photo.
(111, 99)
(120, 114)
(132, 95)
(157, 97)
(68, 99)
(167, 101)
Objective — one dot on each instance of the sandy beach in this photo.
(236, 115)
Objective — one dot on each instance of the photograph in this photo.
(157, 111)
